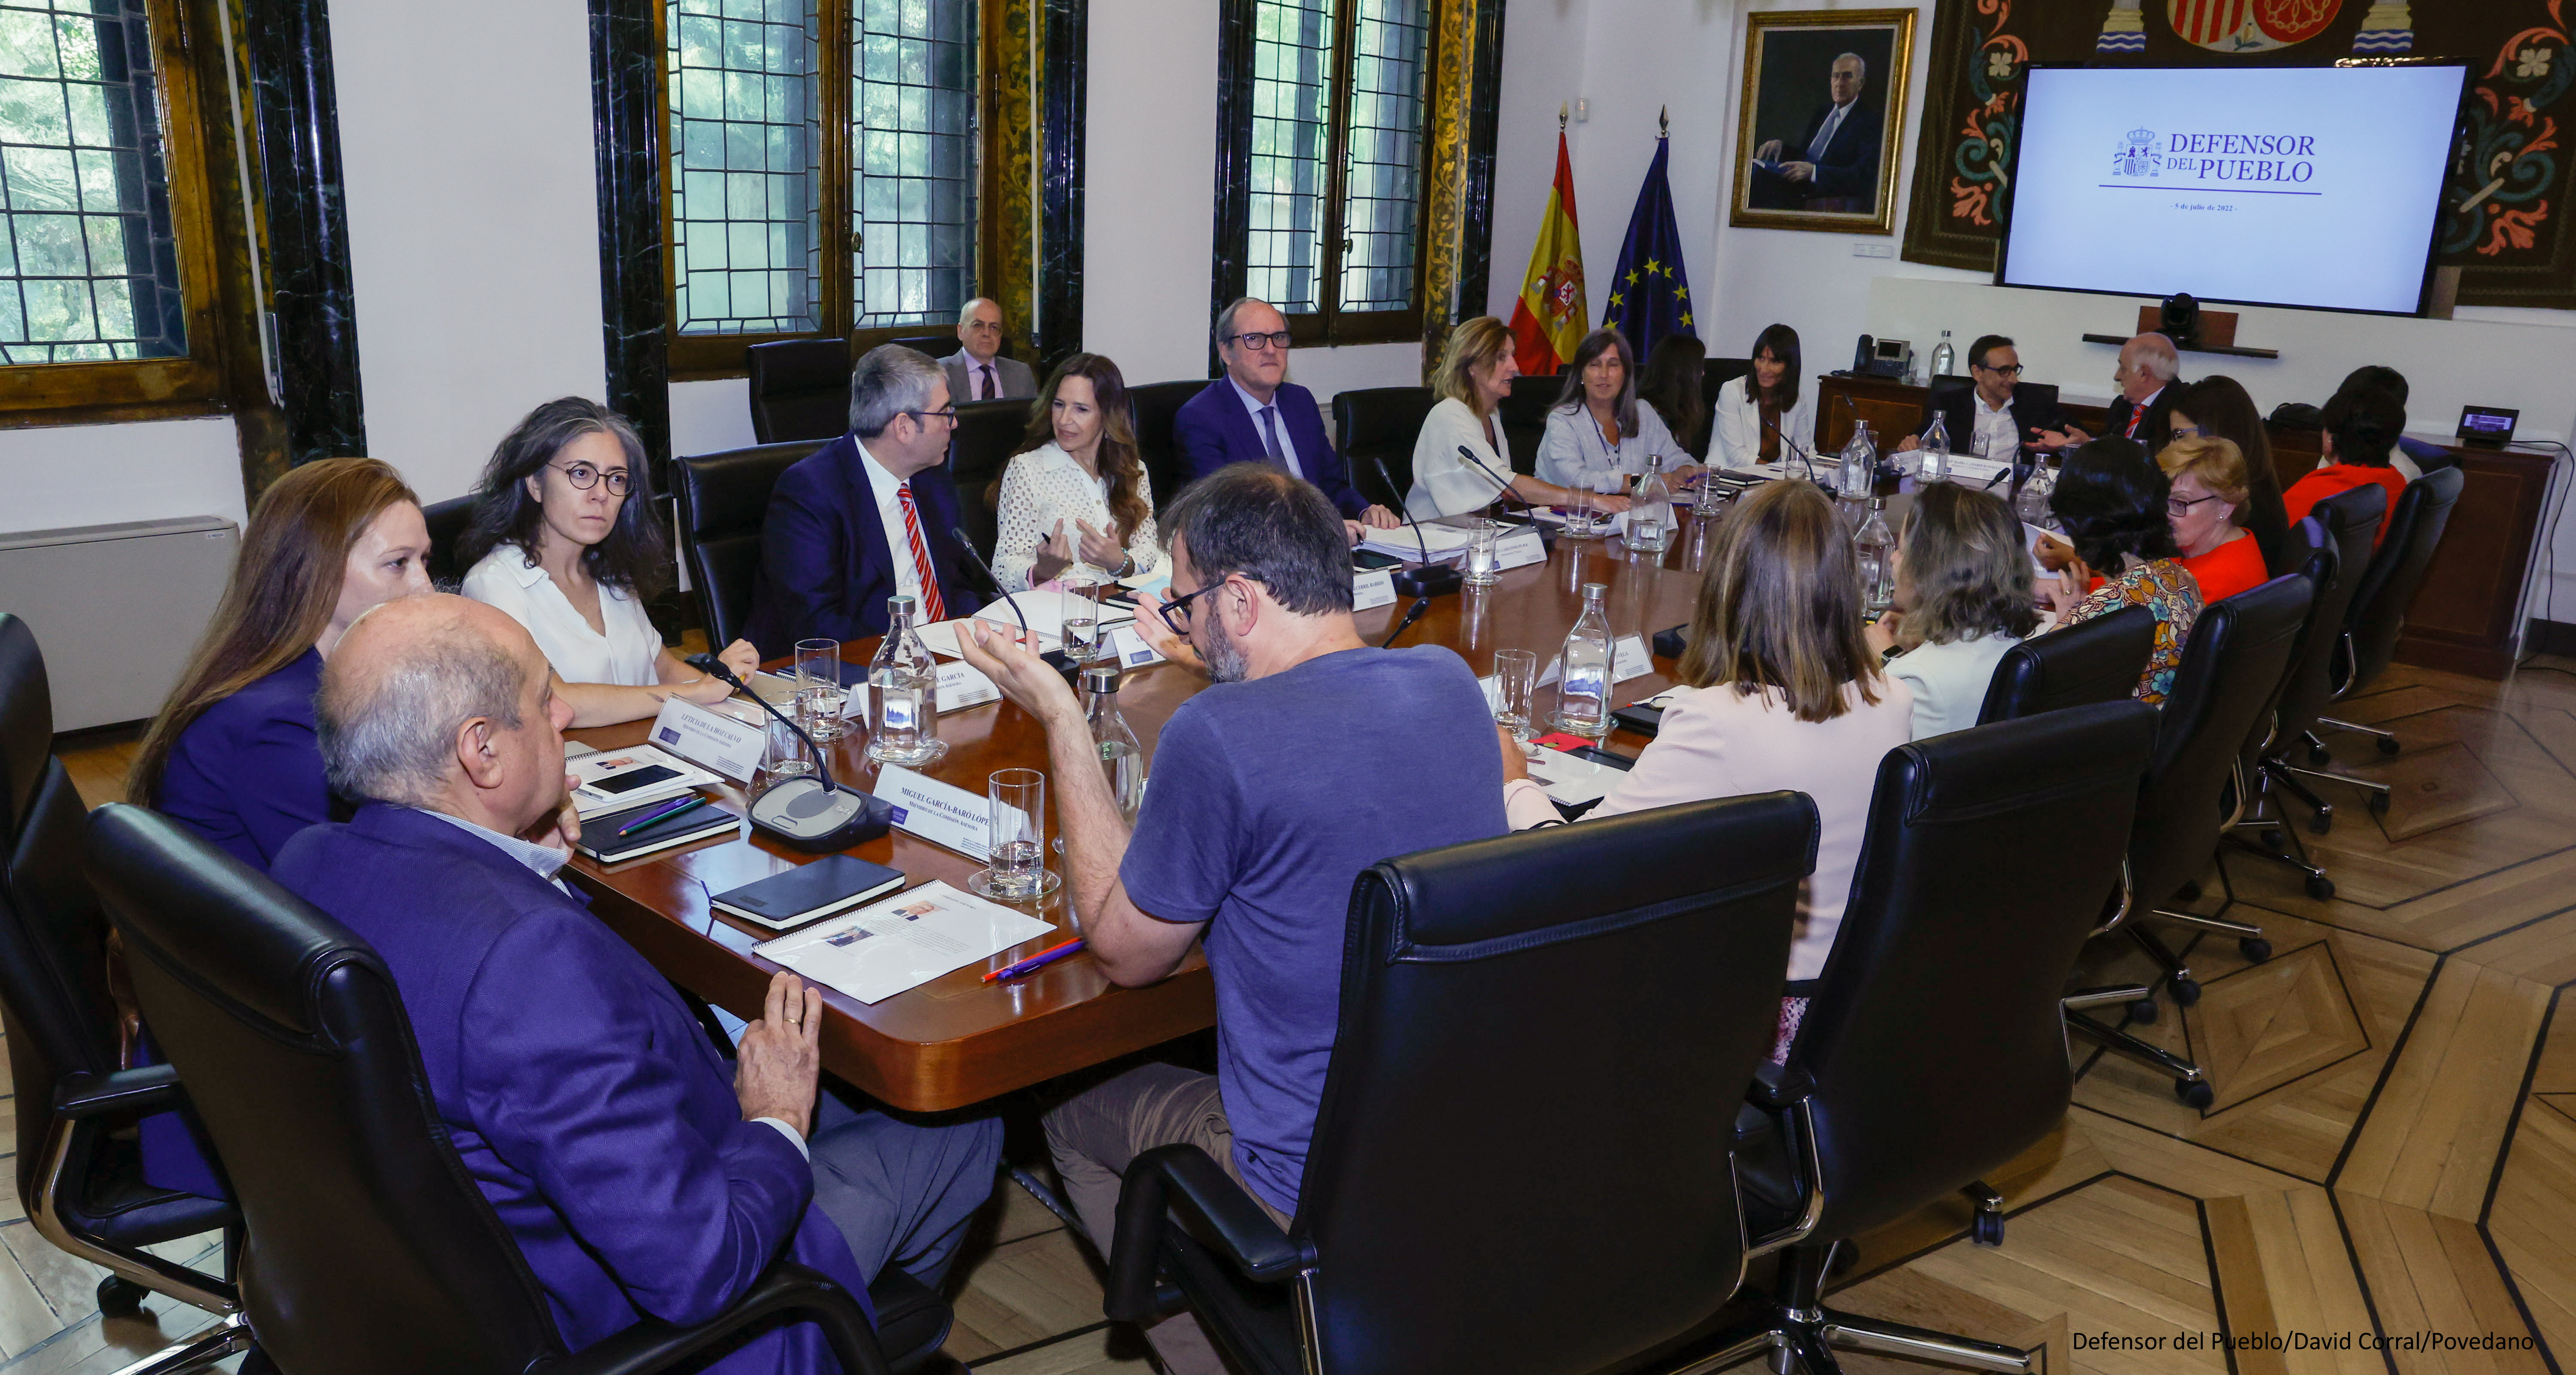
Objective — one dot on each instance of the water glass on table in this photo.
(822, 693)
(1483, 560)
(1015, 869)
(1081, 618)
(783, 754)
(1516, 691)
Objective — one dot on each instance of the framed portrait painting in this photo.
(1822, 110)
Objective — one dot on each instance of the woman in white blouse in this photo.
(1476, 373)
(1077, 490)
(1753, 413)
(1596, 426)
(563, 539)
(1963, 599)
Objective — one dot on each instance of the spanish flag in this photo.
(1552, 314)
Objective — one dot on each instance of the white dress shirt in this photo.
(887, 489)
(1046, 485)
(1824, 138)
(1255, 405)
(1573, 450)
(1738, 443)
(1443, 483)
(627, 655)
(979, 376)
(1994, 434)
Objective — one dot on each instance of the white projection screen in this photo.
(2293, 186)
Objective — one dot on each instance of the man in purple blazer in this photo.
(641, 1174)
(871, 515)
(1254, 414)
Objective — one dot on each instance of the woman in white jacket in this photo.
(1476, 372)
(1754, 413)
(1077, 492)
(1597, 426)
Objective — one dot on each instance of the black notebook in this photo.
(808, 891)
(600, 840)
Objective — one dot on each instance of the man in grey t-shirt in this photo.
(1269, 796)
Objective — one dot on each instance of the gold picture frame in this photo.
(1795, 65)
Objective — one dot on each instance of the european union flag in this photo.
(1650, 291)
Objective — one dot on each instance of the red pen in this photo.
(1037, 961)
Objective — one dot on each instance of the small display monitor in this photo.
(2487, 425)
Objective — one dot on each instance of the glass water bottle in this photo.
(1650, 514)
(1935, 464)
(1583, 678)
(903, 681)
(1122, 759)
(1877, 549)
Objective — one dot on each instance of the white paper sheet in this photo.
(903, 942)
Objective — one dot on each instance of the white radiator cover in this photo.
(117, 608)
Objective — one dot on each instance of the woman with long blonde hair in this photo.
(1476, 372)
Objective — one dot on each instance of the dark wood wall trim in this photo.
(1065, 32)
(1227, 276)
(286, 46)
(634, 303)
(1476, 213)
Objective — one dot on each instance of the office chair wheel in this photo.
(2379, 804)
(2143, 1012)
(2195, 1092)
(2272, 838)
(2388, 744)
(2320, 887)
(2321, 821)
(2190, 892)
(1987, 1230)
(2186, 992)
(2318, 758)
(120, 1298)
(2255, 948)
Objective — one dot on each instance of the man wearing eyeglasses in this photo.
(869, 516)
(1996, 417)
(1254, 414)
(979, 372)
(1270, 796)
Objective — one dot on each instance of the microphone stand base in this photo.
(1426, 580)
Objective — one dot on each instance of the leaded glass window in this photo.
(746, 185)
(89, 267)
(913, 156)
(1339, 89)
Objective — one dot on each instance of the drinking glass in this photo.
(822, 693)
(1516, 681)
(1016, 869)
(1081, 615)
(783, 755)
(1482, 559)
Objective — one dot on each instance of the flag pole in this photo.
(1664, 121)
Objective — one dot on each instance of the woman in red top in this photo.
(2362, 425)
(2209, 492)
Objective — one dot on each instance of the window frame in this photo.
(193, 383)
(1329, 325)
(708, 357)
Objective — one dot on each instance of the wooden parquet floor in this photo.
(2386, 1181)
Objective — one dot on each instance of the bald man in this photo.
(2148, 376)
(978, 371)
(642, 1174)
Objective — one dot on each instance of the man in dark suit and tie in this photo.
(2148, 379)
(978, 371)
(1254, 414)
(643, 1173)
(1835, 158)
(871, 515)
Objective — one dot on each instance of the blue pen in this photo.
(664, 814)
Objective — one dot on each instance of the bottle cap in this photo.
(1103, 678)
(900, 606)
(1592, 590)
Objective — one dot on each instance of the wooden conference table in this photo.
(957, 1040)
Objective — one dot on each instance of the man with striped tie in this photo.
(869, 516)
(2148, 379)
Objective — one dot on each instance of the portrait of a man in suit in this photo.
(1822, 93)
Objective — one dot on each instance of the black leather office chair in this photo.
(1166, 471)
(370, 1248)
(934, 345)
(2352, 519)
(1508, 1175)
(79, 1174)
(987, 434)
(2378, 611)
(2231, 670)
(2098, 661)
(1376, 428)
(2263, 771)
(1912, 1087)
(1522, 418)
(447, 521)
(800, 389)
(724, 497)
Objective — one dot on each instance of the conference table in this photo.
(958, 1040)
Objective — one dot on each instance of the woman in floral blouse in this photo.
(2110, 497)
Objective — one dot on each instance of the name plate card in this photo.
(960, 687)
(943, 814)
(1372, 589)
(1132, 649)
(1519, 549)
(1629, 659)
(709, 739)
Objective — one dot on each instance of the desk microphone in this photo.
(1789, 444)
(1424, 579)
(812, 814)
(1507, 492)
(1420, 605)
(1057, 659)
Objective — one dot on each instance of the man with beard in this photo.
(1310, 757)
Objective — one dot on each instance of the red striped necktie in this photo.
(934, 608)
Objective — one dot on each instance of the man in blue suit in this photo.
(1254, 414)
(1834, 164)
(640, 1173)
(869, 516)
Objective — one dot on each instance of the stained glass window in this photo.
(1382, 154)
(746, 183)
(89, 267)
(913, 155)
(1292, 116)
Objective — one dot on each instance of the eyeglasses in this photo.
(1258, 342)
(2013, 371)
(2178, 508)
(2188, 431)
(949, 415)
(585, 477)
(985, 326)
(1176, 612)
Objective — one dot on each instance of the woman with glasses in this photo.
(2111, 500)
(1476, 373)
(1596, 426)
(2209, 489)
(564, 540)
